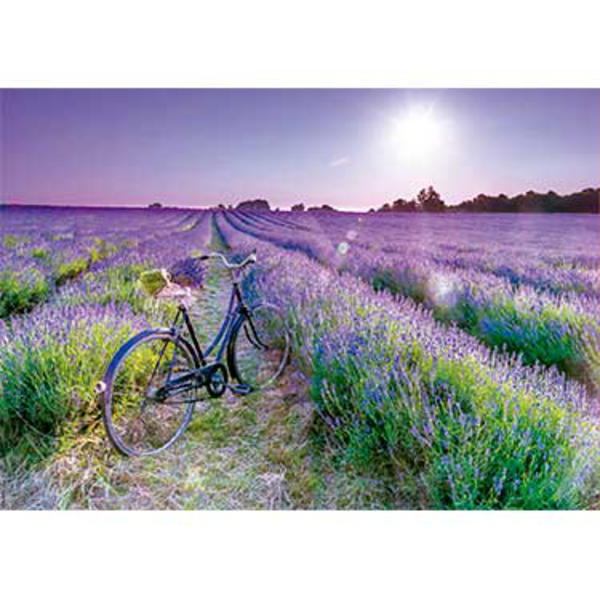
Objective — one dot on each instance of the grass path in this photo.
(262, 451)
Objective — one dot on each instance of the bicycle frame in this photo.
(198, 377)
(237, 307)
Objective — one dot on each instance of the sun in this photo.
(419, 134)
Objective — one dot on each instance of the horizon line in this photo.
(147, 204)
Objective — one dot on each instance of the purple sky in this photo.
(202, 147)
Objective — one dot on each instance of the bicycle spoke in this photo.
(140, 419)
(260, 348)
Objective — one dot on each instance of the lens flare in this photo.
(343, 248)
(444, 290)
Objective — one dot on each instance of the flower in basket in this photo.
(188, 272)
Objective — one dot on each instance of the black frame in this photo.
(237, 308)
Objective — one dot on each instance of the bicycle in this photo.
(153, 381)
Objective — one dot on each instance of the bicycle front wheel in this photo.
(139, 417)
(259, 348)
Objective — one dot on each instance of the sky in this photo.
(351, 148)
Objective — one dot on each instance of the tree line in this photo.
(429, 200)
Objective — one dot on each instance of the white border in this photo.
(301, 75)
(301, 524)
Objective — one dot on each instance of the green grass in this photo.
(47, 389)
(42, 254)
(13, 241)
(21, 292)
(66, 271)
(72, 269)
(552, 334)
(101, 250)
(62, 237)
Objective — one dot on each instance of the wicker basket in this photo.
(175, 283)
(153, 282)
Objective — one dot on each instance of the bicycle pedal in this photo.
(240, 389)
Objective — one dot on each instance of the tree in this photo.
(155, 205)
(324, 207)
(586, 201)
(428, 200)
(401, 205)
(258, 204)
(298, 207)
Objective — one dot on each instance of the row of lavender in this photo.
(542, 302)
(43, 248)
(550, 253)
(51, 356)
(462, 426)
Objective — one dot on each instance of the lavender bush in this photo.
(470, 427)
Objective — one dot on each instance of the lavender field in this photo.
(452, 359)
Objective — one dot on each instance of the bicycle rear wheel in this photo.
(259, 348)
(138, 420)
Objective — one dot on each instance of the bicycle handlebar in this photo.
(251, 258)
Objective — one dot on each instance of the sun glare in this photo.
(419, 134)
